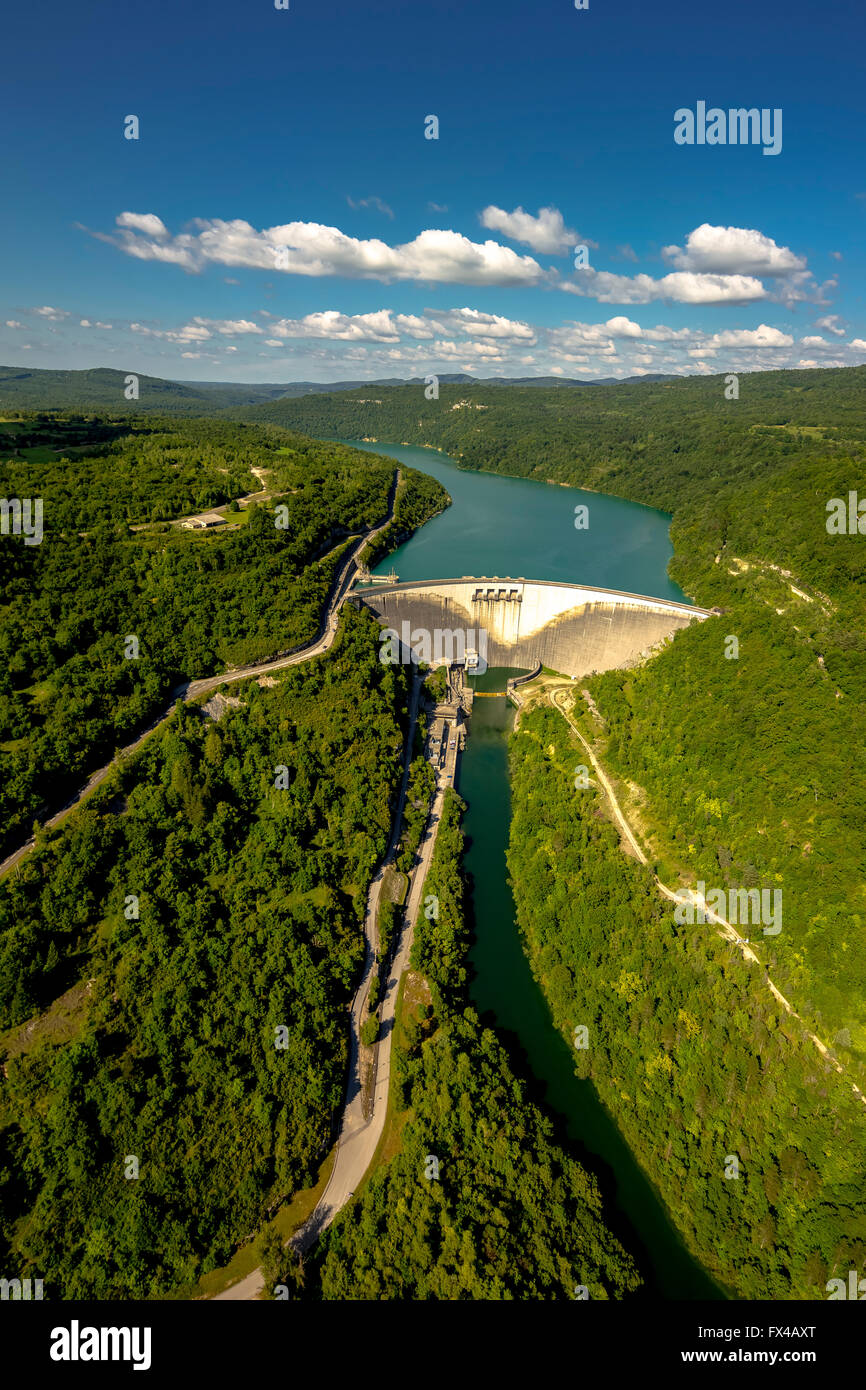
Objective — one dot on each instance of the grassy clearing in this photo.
(40, 453)
(290, 1217)
(239, 518)
(319, 896)
(413, 991)
(811, 431)
(394, 886)
(62, 1022)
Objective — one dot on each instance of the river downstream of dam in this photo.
(510, 528)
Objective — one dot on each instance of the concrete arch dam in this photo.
(568, 627)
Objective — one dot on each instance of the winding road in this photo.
(360, 1134)
(190, 690)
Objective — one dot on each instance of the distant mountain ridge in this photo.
(103, 388)
(777, 394)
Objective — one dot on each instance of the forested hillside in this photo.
(104, 388)
(509, 1214)
(195, 602)
(746, 771)
(754, 766)
(201, 907)
(766, 460)
(655, 433)
(686, 1046)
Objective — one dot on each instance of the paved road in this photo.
(360, 1135)
(189, 690)
(726, 929)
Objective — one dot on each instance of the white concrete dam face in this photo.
(569, 628)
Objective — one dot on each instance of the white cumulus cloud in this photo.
(733, 251)
(831, 323)
(624, 328)
(310, 248)
(228, 327)
(192, 332)
(760, 337)
(683, 287)
(481, 325)
(377, 327)
(546, 232)
(146, 222)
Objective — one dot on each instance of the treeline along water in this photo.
(513, 528)
(517, 528)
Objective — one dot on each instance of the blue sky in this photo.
(282, 215)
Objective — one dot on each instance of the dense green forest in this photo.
(686, 1046)
(201, 907)
(197, 603)
(753, 473)
(754, 767)
(747, 772)
(510, 1214)
(664, 442)
(755, 773)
